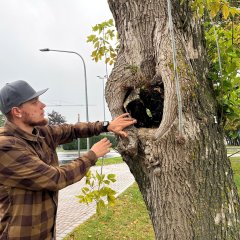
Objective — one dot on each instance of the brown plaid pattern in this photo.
(30, 177)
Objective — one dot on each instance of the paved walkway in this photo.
(71, 213)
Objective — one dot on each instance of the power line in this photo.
(67, 105)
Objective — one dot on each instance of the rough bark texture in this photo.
(186, 181)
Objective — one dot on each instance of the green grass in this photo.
(128, 219)
(231, 146)
(232, 149)
(108, 161)
(235, 162)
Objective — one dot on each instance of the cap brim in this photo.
(37, 94)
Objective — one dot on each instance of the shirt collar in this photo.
(16, 131)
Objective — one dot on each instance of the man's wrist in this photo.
(105, 125)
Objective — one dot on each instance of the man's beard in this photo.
(28, 121)
(31, 123)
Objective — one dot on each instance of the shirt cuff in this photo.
(91, 156)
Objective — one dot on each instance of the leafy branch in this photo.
(104, 42)
(214, 7)
(97, 189)
(222, 28)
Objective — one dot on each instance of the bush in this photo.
(83, 142)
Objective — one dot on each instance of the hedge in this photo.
(83, 142)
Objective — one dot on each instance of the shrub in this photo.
(83, 142)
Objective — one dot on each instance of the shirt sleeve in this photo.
(65, 133)
(22, 169)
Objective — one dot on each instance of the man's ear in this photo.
(16, 112)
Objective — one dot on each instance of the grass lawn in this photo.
(233, 149)
(235, 162)
(108, 161)
(128, 219)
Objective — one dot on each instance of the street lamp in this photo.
(85, 78)
(104, 117)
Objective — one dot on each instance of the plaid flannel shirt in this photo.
(30, 177)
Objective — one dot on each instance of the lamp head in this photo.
(44, 50)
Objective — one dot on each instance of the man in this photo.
(30, 176)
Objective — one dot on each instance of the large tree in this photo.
(176, 154)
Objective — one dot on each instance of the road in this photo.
(65, 157)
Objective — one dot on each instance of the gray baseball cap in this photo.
(15, 93)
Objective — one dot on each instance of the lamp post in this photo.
(85, 79)
(78, 140)
(104, 116)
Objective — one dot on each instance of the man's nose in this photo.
(43, 105)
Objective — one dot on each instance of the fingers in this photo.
(123, 134)
(106, 142)
(124, 115)
(125, 118)
(128, 123)
(102, 147)
(120, 123)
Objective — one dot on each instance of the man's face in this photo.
(33, 113)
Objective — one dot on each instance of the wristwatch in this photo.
(105, 126)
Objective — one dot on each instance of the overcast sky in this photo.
(29, 25)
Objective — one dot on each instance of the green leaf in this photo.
(85, 190)
(92, 184)
(107, 60)
(81, 197)
(94, 53)
(88, 174)
(110, 21)
(227, 84)
(103, 191)
(111, 177)
(235, 135)
(96, 44)
(89, 198)
(109, 191)
(100, 177)
(225, 11)
(95, 28)
(87, 181)
(111, 200)
(214, 9)
(106, 182)
(90, 38)
(148, 112)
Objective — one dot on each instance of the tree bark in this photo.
(185, 178)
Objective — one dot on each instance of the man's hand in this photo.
(119, 123)
(101, 148)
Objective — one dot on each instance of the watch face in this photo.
(105, 123)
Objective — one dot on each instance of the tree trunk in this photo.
(185, 178)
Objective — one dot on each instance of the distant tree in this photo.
(55, 118)
(2, 120)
